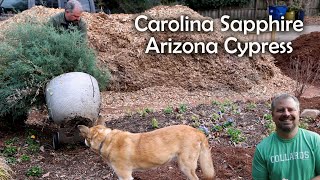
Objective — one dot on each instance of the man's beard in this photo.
(287, 128)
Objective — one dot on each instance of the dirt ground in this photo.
(144, 85)
(232, 159)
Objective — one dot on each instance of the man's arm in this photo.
(317, 158)
(83, 29)
(52, 21)
(316, 178)
(259, 166)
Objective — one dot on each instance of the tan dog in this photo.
(126, 152)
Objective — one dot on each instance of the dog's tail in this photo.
(205, 159)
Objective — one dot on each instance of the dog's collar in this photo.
(101, 144)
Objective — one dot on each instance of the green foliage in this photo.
(215, 116)
(234, 107)
(268, 104)
(196, 124)
(227, 103)
(25, 158)
(182, 108)
(295, 5)
(213, 4)
(215, 103)
(179, 116)
(129, 113)
(11, 160)
(33, 148)
(31, 54)
(195, 120)
(307, 119)
(270, 125)
(267, 117)
(154, 123)
(194, 117)
(204, 129)
(228, 123)
(33, 144)
(145, 111)
(9, 150)
(303, 124)
(235, 135)
(251, 106)
(168, 110)
(222, 109)
(35, 171)
(11, 141)
(142, 113)
(217, 128)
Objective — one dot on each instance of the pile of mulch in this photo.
(312, 20)
(121, 47)
(306, 55)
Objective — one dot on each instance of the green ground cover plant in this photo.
(35, 171)
(154, 123)
(168, 110)
(182, 108)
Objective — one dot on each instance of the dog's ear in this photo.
(100, 121)
(84, 130)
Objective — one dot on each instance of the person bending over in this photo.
(70, 19)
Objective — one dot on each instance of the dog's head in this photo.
(94, 136)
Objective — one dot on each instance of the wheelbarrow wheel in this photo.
(55, 140)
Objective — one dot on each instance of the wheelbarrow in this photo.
(72, 99)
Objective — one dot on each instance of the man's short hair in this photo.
(283, 96)
(72, 4)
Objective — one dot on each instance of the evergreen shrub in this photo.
(31, 54)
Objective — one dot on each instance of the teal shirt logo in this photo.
(304, 155)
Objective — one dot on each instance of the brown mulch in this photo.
(121, 48)
(310, 103)
(306, 55)
(312, 20)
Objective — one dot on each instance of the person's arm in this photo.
(83, 29)
(316, 178)
(259, 167)
(317, 158)
(53, 22)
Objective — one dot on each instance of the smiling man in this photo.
(70, 19)
(291, 152)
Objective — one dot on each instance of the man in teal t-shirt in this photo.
(290, 153)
